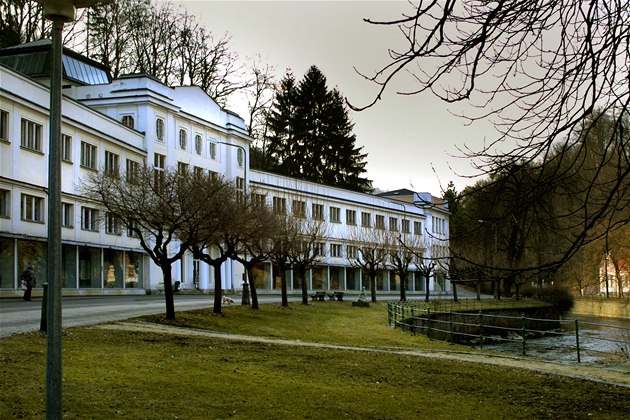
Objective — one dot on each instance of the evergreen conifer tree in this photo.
(311, 134)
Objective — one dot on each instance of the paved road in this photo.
(18, 316)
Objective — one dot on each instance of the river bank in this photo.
(602, 307)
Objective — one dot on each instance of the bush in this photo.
(559, 296)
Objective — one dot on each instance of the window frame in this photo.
(379, 222)
(336, 250)
(91, 223)
(4, 125)
(89, 155)
(5, 203)
(335, 214)
(66, 148)
(182, 136)
(128, 120)
(198, 144)
(112, 224)
(212, 150)
(67, 215)
(36, 205)
(366, 219)
(160, 126)
(112, 162)
(279, 205)
(298, 208)
(351, 220)
(317, 211)
(31, 135)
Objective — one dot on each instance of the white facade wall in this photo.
(94, 116)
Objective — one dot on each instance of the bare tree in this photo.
(257, 225)
(306, 253)
(537, 71)
(402, 253)
(286, 238)
(372, 252)
(160, 208)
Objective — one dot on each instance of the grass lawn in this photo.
(109, 373)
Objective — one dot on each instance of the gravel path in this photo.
(619, 376)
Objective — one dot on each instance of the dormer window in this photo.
(128, 121)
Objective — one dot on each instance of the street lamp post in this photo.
(59, 12)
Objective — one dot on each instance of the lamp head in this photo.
(64, 9)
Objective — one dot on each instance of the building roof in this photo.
(34, 60)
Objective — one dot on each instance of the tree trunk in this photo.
(478, 287)
(168, 291)
(427, 281)
(253, 293)
(302, 274)
(403, 288)
(373, 287)
(283, 287)
(217, 289)
(454, 284)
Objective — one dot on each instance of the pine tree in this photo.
(311, 134)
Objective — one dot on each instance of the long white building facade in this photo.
(136, 120)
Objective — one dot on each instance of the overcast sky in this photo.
(410, 140)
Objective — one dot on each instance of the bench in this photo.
(339, 296)
(318, 296)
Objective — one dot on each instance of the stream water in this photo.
(600, 339)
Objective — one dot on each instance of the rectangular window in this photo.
(159, 164)
(260, 200)
(405, 226)
(366, 219)
(240, 189)
(5, 203)
(298, 208)
(198, 171)
(67, 215)
(335, 250)
(417, 228)
(89, 219)
(213, 175)
(380, 222)
(318, 211)
(351, 217)
(112, 224)
(4, 125)
(66, 148)
(88, 155)
(213, 150)
(393, 224)
(319, 249)
(112, 162)
(128, 121)
(351, 252)
(335, 214)
(131, 226)
(32, 208)
(182, 168)
(279, 205)
(132, 170)
(31, 135)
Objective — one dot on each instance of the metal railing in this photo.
(567, 339)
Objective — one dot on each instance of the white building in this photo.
(135, 120)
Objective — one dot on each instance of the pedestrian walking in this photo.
(28, 279)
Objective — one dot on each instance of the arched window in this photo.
(182, 138)
(159, 129)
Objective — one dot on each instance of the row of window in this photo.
(198, 141)
(298, 209)
(32, 210)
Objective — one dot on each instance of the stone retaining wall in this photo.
(614, 308)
